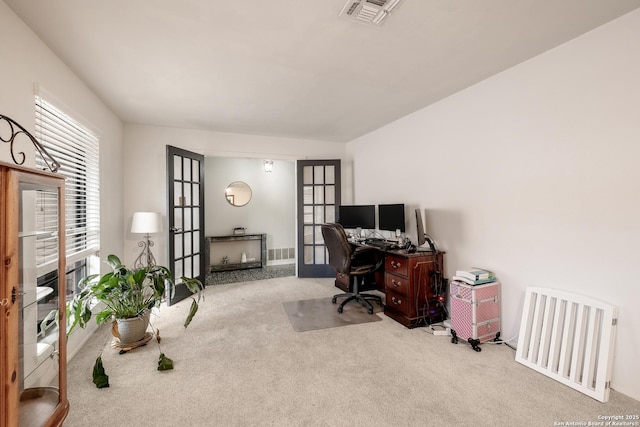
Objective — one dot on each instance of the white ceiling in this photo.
(293, 68)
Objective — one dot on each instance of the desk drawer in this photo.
(397, 284)
(396, 265)
(398, 302)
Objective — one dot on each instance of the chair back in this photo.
(340, 250)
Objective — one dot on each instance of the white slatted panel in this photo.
(76, 148)
(569, 338)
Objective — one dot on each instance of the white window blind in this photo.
(77, 150)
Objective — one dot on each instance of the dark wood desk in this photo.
(410, 286)
(409, 282)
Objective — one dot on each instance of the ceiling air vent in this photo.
(373, 12)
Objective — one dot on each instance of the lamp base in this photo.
(146, 258)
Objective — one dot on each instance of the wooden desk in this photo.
(408, 281)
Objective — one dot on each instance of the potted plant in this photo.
(128, 296)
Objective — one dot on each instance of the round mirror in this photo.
(238, 193)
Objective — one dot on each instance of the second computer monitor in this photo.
(391, 217)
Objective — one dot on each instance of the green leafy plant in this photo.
(126, 294)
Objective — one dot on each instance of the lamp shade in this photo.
(146, 223)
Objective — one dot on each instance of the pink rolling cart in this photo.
(475, 312)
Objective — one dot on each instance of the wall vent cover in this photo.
(374, 12)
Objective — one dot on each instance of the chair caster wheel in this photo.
(334, 299)
(339, 309)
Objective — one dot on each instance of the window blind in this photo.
(76, 148)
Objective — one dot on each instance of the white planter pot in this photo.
(132, 330)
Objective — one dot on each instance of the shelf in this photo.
(37, 405)
(236, 237)
(44, 353)
(236, 266)
(41, 293)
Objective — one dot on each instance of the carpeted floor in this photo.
(251, 274)
(241, 364)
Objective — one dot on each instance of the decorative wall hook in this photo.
(19, 157)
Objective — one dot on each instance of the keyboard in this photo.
(383, 244)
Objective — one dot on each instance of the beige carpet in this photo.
(240, 363)
(321, 313)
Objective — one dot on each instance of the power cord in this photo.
(505, 342)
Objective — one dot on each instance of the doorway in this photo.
(270, 210)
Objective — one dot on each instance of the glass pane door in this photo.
(185, 175)
(318, 197)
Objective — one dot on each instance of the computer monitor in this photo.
(425, 243)
(391, 217)
(357, 216)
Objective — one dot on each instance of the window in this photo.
(76, 148)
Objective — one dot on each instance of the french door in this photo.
(318, 196)
(185, 189)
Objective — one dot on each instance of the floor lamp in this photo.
(146, 223)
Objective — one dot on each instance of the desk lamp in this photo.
(146, 223)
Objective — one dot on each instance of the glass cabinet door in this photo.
(38, 286)
(33, 299)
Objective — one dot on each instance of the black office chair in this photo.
(355, 262)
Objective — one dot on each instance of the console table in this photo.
(232, 247)
(408, 279)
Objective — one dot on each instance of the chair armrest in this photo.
(371, 253)
(363, 249)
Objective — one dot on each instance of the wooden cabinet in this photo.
(32, 345)
(409, 282)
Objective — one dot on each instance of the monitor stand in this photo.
(428, 246)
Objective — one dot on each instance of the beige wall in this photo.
(534, 174)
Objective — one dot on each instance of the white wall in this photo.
(145, 168)
(271, 210)
(26, 61)
(534, 174)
